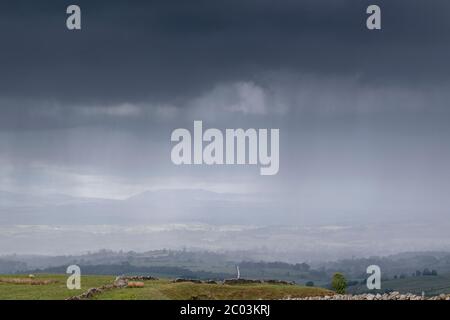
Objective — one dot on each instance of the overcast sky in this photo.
(363, 115)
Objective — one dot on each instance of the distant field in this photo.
(431, 285)
(153, 290)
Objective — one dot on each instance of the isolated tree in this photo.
(310, 284)
(339, 283)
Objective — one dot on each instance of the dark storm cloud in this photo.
(133, 51)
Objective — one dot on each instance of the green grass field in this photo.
(53, 291)
(165, 289)
(153, 290)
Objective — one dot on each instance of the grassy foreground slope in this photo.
(153, 290)
(166, 289)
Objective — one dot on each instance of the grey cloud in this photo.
(166, 50)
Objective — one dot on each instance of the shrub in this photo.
(339, 283)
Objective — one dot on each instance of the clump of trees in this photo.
(427, 272)
(302, 267)
(339, 283)
(418, 273)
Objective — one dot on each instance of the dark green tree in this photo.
(339, 283)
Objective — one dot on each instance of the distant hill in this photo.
(163, 206)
